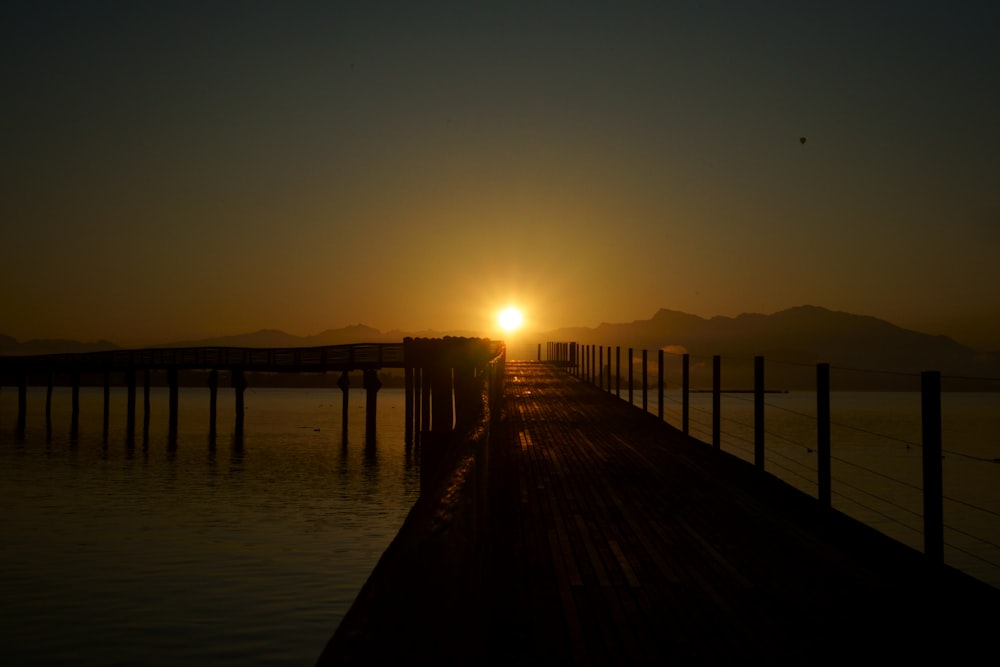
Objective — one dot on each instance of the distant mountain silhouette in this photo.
(805, 335)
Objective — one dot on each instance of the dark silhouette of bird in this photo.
(802, 140)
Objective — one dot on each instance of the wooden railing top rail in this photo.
(279, 359)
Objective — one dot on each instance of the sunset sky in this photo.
(177, 170)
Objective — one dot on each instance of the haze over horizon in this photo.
(176, 171)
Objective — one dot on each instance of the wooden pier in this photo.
(611, 538)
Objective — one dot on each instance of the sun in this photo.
(510, 318)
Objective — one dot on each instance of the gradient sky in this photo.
(176, 170)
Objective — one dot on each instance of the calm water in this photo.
(161, 554)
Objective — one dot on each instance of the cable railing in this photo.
(931, 481)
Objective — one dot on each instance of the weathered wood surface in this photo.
(617, 540)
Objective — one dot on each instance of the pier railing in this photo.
(273, 359)
(899, 485)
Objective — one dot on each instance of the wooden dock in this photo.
(613, 539)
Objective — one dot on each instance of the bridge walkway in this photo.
(618, 540)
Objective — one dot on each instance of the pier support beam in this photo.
(145, 404)
(107, 404)
(22, 404)
(213, 403)
(74, 419)
(372, 384)
(130, 404)
(172, 381)
(239, 383)
(48, 405)
(409, 402)
(344, 382)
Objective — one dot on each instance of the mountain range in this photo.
(800, 336)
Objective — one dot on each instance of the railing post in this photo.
(660, 382)
(618, 371)
(609, 369)
(645, 380)
(631, 364)
(823, 434)
(685, 392)
(930, 404)
(758, 412)
(600, 367)
(717, 402)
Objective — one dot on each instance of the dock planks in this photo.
(617, 540)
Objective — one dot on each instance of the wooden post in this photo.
(685, 392)
(609, 369)
(930, 404)
(372, 384)
(823, 434)
(107, 404)
(130, 403)
(645, 380)
(600, 368)
(593, 363)
(660, 382)
(213, 402)
(425, 399)
(417, 390)
(22, 403)
(172, 380)
(74, 420)
(717, 402)
(408, 404)
(442, 414)
(344, 382)
(618, 371)
(239, 382)
(630, 376)
(758, 412)
(48, 405)
(146, 412)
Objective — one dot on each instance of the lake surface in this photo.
(161, 553)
